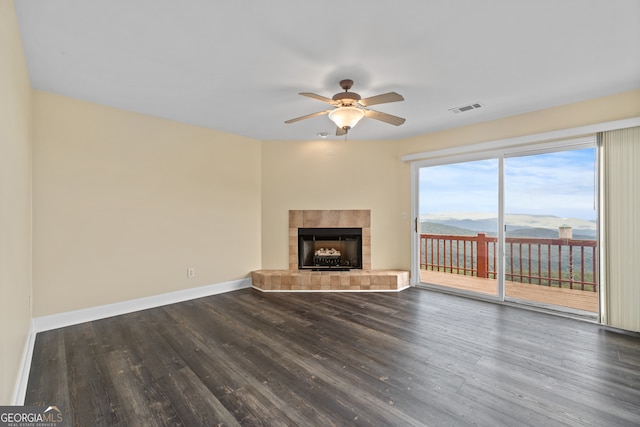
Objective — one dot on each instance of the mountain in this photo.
(434, 228)
(518, 225)
(547, 233)
(489, 225)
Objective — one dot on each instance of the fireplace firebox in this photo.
(329, 249)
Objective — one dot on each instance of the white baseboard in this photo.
(20, 389)
(60, 320)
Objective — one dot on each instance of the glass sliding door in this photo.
(551, 234)
(457, 226)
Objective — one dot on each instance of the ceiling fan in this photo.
(349, 108)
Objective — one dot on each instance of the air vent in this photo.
(464, 108)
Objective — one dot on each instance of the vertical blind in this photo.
(621, 200)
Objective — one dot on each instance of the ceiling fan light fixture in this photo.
(346, 117)
(349, 108)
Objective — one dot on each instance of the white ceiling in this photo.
(237, 66)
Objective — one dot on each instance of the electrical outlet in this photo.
(191, 272)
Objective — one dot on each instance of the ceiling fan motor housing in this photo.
(346, 98)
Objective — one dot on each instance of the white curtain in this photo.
(621, 228)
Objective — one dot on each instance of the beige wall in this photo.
(330, 174)
(15, 202)
(124, 203)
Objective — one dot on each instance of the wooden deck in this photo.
(570, 298)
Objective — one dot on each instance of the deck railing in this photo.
(564, 263)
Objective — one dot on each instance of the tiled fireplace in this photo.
(323, 219)
(330, 279)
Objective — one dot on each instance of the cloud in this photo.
(560, 184)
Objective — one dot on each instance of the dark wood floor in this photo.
(395, 359)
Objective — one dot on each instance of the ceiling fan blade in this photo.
(381, 99)
(340, 131)
(318, 97)
(308, 116)
(384, 117)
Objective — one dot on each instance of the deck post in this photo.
(483, 255)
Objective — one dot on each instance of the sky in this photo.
(559, 184)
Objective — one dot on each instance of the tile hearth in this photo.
(308, 281)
